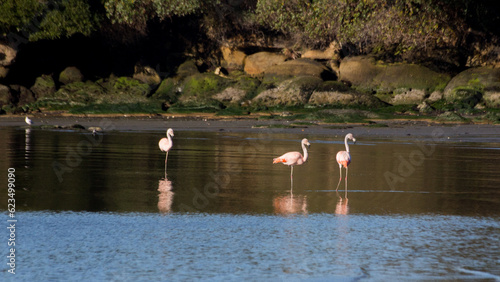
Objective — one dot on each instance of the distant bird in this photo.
(165, 145)
(293, 158)
(28, 120)
(344, 159)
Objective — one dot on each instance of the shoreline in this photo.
(208, 122)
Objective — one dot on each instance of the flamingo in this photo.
(344, 159)
(165, 145)
(28, 120)
(293, 158)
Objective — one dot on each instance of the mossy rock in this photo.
(408, 97)
(230, 95)
(492, 98)
(292, 92)
(344, 115)
(451, 116)
(147, 75)
(366, 74)
(249, 85)
(200, 88)
(167, 91)
(188, 68)
(409, 76)
(70, 75)
(129, 86)
(44, 85)
(468, 88)
(78, 93)
(334, 93)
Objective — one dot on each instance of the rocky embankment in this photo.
(263, 80)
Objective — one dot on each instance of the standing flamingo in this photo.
(293, 158)
(165, 145)
(344, 159)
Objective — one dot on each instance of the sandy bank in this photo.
(393, 129)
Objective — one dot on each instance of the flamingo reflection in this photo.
(290, 204)
(27, 145)
(342, 206)
(166, 196)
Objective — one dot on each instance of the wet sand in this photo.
(393, 129)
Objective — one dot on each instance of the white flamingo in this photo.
(344, 159)
(165, 145)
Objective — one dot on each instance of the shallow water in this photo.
(101, 208)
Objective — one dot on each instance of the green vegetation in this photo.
(407, 29)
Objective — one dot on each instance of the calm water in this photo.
(100, 208)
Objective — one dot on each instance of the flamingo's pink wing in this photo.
(290, 158)
(164, 144)
(343, 158)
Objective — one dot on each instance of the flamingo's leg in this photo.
(346, 172)
(166, 156)
(340, 179)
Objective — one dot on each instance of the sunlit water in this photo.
(100, 208)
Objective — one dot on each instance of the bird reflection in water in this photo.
(166, 196)
(342, 206)
(290, 204)
(27, 145)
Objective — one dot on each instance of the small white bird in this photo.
(28, 120)
(165, 145)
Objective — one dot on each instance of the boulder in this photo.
(78, 93)
(23, 94)
(332, 93)
(300, 67)
(408, 97)
(424, 108)
(468, 86)
(167, 91)
(147, 75)
(359, 71)
(411, 76)
(230, 95)
(125, 86)
(232, 59)
(5, 96)
(365, 73)
(3, 71)
(7, 55)
(197, 90)
(492, 98)
(70, 75)
(328, 54)
(292, 92)
(186, 69)
(257, 63)
(435, 96)
(44, 86)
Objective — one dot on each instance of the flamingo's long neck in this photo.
(169, 137)
(346, 145)
(305, 152)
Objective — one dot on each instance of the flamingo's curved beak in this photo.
(354, 140)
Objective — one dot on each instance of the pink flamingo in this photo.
(293, 158)
(344, 159)
(165, 145)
